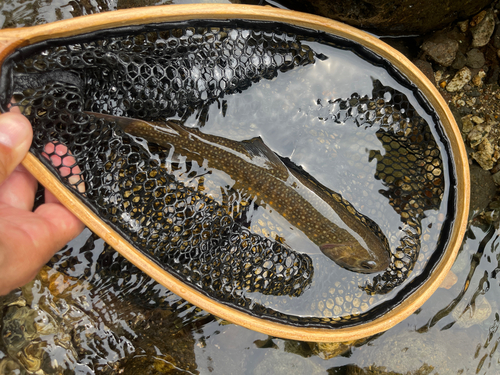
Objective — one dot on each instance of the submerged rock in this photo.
(450, 280)
(278, 362)
(328, 350)
(475, 312)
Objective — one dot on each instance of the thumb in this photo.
(15, 139)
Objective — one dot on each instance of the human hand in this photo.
(27, 239)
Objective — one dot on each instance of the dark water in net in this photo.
(114, 313)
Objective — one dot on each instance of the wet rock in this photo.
(469, 314)
(301, 348)
(426, 68)
(481, 33)
(477, 18)
(496, 178)
(495, 40)
(467, 123)
(10, 367)
(478, 134)
(460, 79)
(151, 365)
(475, 59)
(474, 92)
(391, 16)
(484, 155)
(463, 26)
(483, 189)
(477, 80)
(460, 61)
(407, 352)
(493, 75)
(441, 49)
(425, 369)
(477, 120)
(29, 336)
(465, 111)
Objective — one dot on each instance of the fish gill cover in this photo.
(93, 99)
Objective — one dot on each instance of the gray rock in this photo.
(474, 93)
(475, 59)
(481, 33)
(441, 50)
(483, 189)
(460, 61)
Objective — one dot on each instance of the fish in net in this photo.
(73, 91)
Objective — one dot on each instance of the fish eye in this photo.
(368, 264)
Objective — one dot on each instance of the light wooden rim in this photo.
(14, 38)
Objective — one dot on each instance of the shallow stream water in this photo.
(76, 318)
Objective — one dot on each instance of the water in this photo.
(451, 333)
(112, 327)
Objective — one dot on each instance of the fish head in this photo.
(354, 257)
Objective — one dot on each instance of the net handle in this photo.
(11, 39)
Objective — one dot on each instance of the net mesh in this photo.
(181, 71)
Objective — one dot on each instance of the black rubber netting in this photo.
(159, 71)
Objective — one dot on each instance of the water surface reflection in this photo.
(78, 317)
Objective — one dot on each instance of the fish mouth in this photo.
(355, 258)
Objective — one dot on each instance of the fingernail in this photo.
(13, 133)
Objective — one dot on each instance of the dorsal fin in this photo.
(257, 148)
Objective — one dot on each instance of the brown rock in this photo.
(441, 50)
(391, 16)
(426, 68)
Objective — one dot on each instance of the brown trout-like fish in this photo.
(344, 235)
